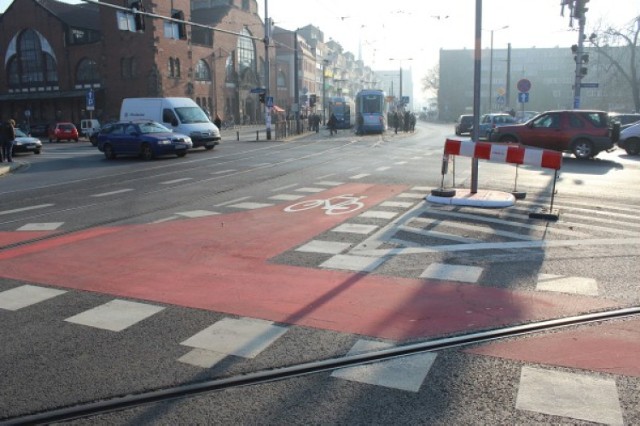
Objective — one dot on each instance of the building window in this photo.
(246, 52)
(31, 64)
(202, 36)
(245, 5)
(126, 21)
(202, 71)
(230, 70)
(282, 80)
(175, 30)
(87, 72)
(128, 67)
(174, 67)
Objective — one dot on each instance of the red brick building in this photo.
(54, 53)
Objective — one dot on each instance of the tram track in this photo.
(123, 402)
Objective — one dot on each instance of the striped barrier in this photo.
(503, 153)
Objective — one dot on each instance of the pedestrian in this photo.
(8, 135)
(218, 121)
(332, 123)
(359, 124)
(316, 122)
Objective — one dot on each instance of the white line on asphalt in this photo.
(237, 200)
(24, 209)
(169, 182)
(106, 194)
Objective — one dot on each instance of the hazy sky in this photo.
(413, 31)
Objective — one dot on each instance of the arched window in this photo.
(229, 70)
(203, 73)
(30, 61)
(87, 72)
(246, 52)
(281, 79)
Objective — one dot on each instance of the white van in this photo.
(182, 115)
(89, 127)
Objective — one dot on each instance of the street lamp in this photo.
(325, 62)
(491, 69)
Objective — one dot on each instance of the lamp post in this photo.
(296, 90)
(325, 62)
(491, 69)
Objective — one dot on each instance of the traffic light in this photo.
(583, 71)
(138, 18)
(312, 101)
(261, 97)
(580, 9)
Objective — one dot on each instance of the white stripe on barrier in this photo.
(533, 157)
(467, 149)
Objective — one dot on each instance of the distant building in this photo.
(551, 72)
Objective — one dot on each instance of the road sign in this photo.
(523, 97)
(500, 99)
(524, 85)
(270, 101)
(258, 90)
(405, 100)
(91, 101)
(589, 85)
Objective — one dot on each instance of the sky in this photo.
(413, 31)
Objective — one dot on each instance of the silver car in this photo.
(26, 143)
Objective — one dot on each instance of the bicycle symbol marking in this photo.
(340, 204)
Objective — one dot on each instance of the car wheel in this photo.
(37, 151)
(109, 153)
(93, 140)
(508, 139)
(209, 147)
(582, 149)
(146, 152)
(181, 153)
(632, 146)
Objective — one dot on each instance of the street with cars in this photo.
(243, 283)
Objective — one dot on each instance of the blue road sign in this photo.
(91, 100)
(523, 97)
(270, 101)
(258, 90)
(589, 85)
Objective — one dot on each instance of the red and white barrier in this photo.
(502, 153)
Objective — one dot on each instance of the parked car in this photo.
(464, 124)
(625, 120)
(63, 131)
(39, 129)
(489, 122)
(26, 143)
(584, 133)
(524, 116)
(630, 139)
(146, 139)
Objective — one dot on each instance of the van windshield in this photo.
(190, 115)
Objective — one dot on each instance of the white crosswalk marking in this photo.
(26, 295)
(115, 315)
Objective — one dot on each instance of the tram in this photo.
(344, 110)
(373, 107)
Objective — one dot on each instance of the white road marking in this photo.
(24, 209)
(106, 194)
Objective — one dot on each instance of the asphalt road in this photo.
(227, 286)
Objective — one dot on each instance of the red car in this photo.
(584, 133)
(63, 131)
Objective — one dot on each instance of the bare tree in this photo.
(431, 80)
(619, 47)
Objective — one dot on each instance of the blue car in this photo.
(145, 139)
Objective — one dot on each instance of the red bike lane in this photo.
(222, 263)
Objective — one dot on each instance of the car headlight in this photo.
(164, 142)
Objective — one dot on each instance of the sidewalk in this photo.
(9, 167)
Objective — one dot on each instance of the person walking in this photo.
(218, 121)
(332, 123)
(8, 135)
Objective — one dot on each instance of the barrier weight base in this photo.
(545, 214)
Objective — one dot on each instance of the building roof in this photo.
(83, 15)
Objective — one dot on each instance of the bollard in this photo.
(237, 135)
(257, 135)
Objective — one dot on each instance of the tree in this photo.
(619, 47)
(431, 81)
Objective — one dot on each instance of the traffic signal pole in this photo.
(267, 30)
(579, 13)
